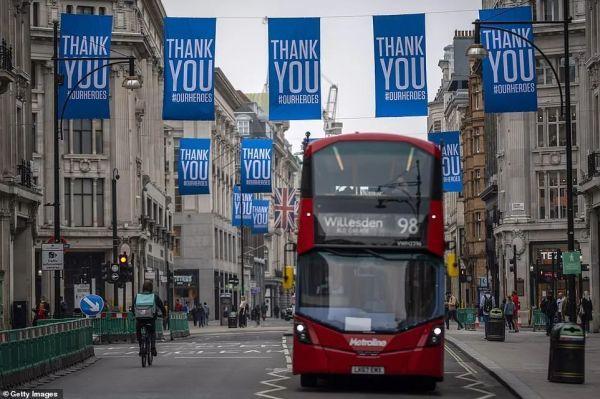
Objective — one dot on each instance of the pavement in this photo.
(521, 362)
(254, 362)
(214, 327)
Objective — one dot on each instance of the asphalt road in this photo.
(244, 365)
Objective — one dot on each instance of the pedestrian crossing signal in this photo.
(288, 277)
(451, 265)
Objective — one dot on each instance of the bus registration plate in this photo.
(368, 370)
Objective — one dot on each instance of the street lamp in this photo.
(478, 52)
(131, 82)
(115, 238)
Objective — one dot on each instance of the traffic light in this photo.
(125, 269)
(105, 271)
(451, 265)
(288, 277)
(114, 274)
(463, 276)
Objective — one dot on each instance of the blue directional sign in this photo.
(91, 305)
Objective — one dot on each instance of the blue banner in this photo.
(294, 68)
(509, 82)
(241, 202)
(256, 165)
(400, 65)
(189, 69)
(451, 160)
(260, 216)
(193, 169)
(84, 94)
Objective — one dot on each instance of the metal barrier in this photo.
(178, 324)
(467, 317)
(29, 353)
(539, 320)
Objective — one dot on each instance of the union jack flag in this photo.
(286, 207)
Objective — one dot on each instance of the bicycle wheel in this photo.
(150, 358)
(144, 348)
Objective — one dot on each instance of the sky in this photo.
(346, 50)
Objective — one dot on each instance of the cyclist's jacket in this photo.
(146, 307)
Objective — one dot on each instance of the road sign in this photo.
(52, 256)
(571, 262)
(80, 291)
(91, 305)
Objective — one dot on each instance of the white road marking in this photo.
(223, 357)
(469, 377)
(272, 384)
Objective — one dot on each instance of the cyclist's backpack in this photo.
(487, 304)
(145, 306)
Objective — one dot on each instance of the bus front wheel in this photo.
(308, 380)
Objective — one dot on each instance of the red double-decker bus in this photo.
(370, 277)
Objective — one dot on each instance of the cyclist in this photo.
(145, 308)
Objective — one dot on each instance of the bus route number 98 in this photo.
(408, 225)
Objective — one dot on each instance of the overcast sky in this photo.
(346, 50)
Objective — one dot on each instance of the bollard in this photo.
(567, 354)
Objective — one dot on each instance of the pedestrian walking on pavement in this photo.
(194, 312)
(206, 312)
(452, 303)
(263, 311)
(509, 311)
(559, 307)
(550, 309)
(243, 315)
(486, 304)
(585, 311)
(201, 315)
(515, 299)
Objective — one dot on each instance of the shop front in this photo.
(547, 274)
(186, 286)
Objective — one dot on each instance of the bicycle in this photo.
(146, 352)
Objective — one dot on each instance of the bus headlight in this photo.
(436, 336)
(301, 333)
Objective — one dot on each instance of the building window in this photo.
(34, 131)
(34, 81)
(243, 127)
(35, 13)
(178, 205)
(477, 143)
(544, 73)
(101, 10)
(551, 127)
(177, 246)
(216, 243)
(82, 198)
(478, 225)
(100, 202)
(477, 182)
(176, 154)
(69, 9)
(87, 10)
(550, 10)
(88, 137)
(552, 194)
(572, 70)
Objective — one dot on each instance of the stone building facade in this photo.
(132, 142)
(20, 193)
(530, 165)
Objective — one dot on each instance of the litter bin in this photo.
(232, 320)
(567, 354)
(494, 328)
